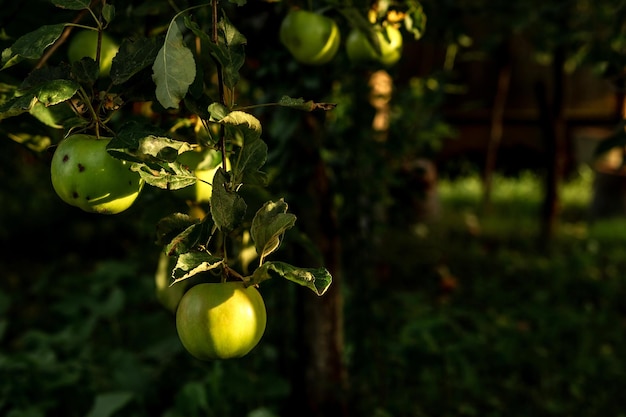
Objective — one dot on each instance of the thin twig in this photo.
(220, 78)
(64, 35)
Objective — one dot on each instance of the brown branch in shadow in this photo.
(63, 38)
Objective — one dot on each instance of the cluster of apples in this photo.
(314, 39)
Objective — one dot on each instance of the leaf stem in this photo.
(96, 18)
(257, 106)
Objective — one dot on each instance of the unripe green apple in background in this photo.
(204, 164)
(84, 44)
(311, 38)
(361, 51)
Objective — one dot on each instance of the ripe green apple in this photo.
(204, 164)
(84, 175)
(361, 51)
(84, 44)
(311, 38)
(220, 320)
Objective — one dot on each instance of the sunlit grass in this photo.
(515, 204)
(525, 190)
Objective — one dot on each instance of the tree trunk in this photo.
(554, 132)
(497, 121)
(319, 374)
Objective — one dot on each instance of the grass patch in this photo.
(515, 204)
(499, 326)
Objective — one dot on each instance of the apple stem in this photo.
(231, 272)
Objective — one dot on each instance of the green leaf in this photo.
(236, 55)
(253, 157)
(192, 263)
(172, 225)
(301, 104)
(72, 4)
(37, 143)
(415, 20)
(48, 94)
(316, 279)
(133, 56)
(154, 156)
(141, 143)
(39, 76)
(53, 116)
(7, 92)
(31, 45)
(268, 226)
(217, 111)
(229, 51)
(55, 92)
(227, 207)
(190, 239)
(161, 148)
(166, 176)
(107, 404)
(86, 71)
(130, 133)
(108, 12)
(17, 106)
(8, 59)
(174, 68)
(247, 124)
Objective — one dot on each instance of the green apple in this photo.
(361, 51)
(84, 44)
(311, 38)
(84, 175)
(220, 320)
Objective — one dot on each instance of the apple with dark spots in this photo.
(86, 176)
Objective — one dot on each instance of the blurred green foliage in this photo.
(498, 326)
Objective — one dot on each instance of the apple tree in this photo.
(159, 98)
(172, 106)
